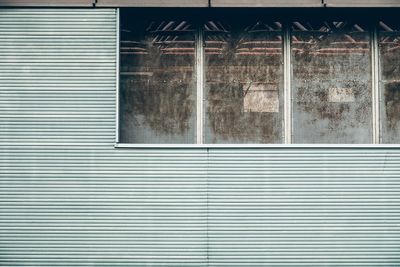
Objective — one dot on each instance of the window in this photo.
(157, 81)
(389, 43)
(216, 79)
(332, 88)
(244, 82)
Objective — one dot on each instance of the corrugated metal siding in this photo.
(69, 198)
(93, 206)
(304, 207)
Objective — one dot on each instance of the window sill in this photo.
(287, 146)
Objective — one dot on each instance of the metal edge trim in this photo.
(117, 13)
(233, 146)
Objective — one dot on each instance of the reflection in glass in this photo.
(157, 82)
(389, 43)
(331, 84)
(243, 92)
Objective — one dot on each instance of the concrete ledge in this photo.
(152, 3)
(362, 3)
(266, 3)
(47, 3)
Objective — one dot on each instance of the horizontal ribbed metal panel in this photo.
(69, 198)
(304, 207)
(152, 3)
(94, 206)
(362, 3)
(46, 3)
(266, 3)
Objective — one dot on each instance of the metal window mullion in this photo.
(199, 84)
(287, 105)
(117, 139)
(375, 86)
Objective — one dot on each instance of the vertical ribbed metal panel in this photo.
(69, 198)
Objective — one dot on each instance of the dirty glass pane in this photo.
(157, 81)
(331, 86)
(389, 44)
(243, 88)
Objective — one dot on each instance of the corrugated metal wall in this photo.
(69, 198)
(304, 207)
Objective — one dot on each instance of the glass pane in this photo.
(331, 86)
(157, 81)
(389, 43)
(244, 74)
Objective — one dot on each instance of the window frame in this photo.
(287, 122)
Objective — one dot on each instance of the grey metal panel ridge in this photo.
(266, 3)
(152, 3)
(49, 3)
(362, 3)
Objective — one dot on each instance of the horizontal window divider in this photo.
(266, 146)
